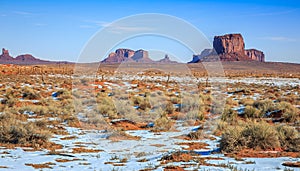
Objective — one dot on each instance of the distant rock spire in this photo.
(5, 52)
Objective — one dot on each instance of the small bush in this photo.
(169, 108)
(13, 131)
(31, 94)
(290, 113)
(289, 138)
(162, 123)
(255, 135)
(195, 115)
(251, 112)
(229, 115)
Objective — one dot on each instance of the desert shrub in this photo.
(247, 101)
(125, 110)
(106, 108)
(162, 123)
(64, 94)
(229, 115)
(36, 109)
(231, 102)
(14, 131)
(290, 113)
(190, 102)
(220, 127)
(195, 135)
(255, 135)
(142, 102)
(169, 108)
(251, 112)
(175, 100)
(265, 106)
(232, 139)
(10, 97)
(195, 115)
(31, 94)
(260, 135)
(289, 138)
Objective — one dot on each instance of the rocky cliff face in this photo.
(229, 43)
(229, 47)
(204, 53)
(255, 55)
(127, 55)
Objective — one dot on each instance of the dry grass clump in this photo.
(106, 107)
(14, 131)
(289, 138)
(142, 102)
(229, 115)
(259, 135)
(30, 93)
(162, 123)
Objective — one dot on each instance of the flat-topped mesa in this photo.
(127, 55)
(255, 55)
(229, 47)
(229, 43)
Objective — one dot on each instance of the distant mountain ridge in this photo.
(228, 47)
(25, 59)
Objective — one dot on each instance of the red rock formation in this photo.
(26, 57)
(127, 55)
(229, 43)
(166, 59)
(255, 55)
(229, 47)
(5, 56)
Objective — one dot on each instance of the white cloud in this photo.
(23, 13)
(114, 28)
(98, 23)
(86, 26)
(279, 38)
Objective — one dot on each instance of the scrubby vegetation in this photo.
(259, 135)
(14, 131)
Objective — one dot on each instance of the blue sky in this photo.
(59, 30)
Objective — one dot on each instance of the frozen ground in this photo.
(130, 153)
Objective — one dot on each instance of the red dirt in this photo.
(173, 168)
(41, 166)
(263, 154)
(194, 145)
(84, 150)
(129, 126)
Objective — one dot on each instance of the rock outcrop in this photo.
(229, 47)
(204, 53)
(255, 55)
(229, 43)
(166, 59)
(127, 55)
(119, 55)
(5, 56)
